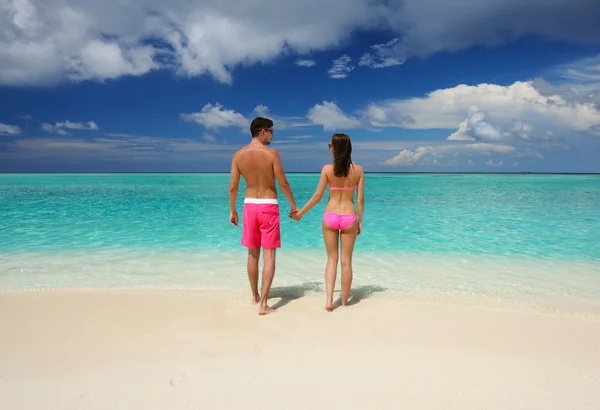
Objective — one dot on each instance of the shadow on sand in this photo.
(360, 293)
(293, 292)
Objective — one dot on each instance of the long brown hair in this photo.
(342, 154)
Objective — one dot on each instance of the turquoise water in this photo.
(509, 237)
(539, 216)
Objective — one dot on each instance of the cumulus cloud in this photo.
(9, 129)
(306, 63)
(487, 112)
(44, 41)
(576, 82)
(214, 116)
(475, 128)
(261, 110)
(61, 127)
(428, 154)
(331, 117)
(385, 55)
(341, 67)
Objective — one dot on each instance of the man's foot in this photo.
(255, 299)
(265, 310)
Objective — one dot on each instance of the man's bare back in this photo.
(256, 164)
(261, 167)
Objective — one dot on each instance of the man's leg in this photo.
(253, 256)
(267, 279)
(251, 240)
(270, 241)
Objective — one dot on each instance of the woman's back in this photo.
(341, 189)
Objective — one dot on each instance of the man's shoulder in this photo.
(272, 151)
(240, 151)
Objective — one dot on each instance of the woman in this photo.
(340, 218)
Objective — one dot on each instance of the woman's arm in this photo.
(360, 198)
(318, 195)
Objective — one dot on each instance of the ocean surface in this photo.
(478, 234)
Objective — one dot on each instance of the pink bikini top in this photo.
(342, 188)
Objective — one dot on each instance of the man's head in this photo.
(262, 129)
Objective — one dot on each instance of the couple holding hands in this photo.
(261, 166)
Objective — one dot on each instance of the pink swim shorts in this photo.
(261, 224)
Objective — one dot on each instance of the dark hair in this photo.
(342, 154)
(258, 124)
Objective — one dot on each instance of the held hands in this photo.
(359, 228)
(295, 214)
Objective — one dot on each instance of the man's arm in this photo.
(234, 183)
(283, 182)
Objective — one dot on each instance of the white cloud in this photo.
(428, 154)
(214, 116)
(331, 117)
(59, 127)
(491, 163)
(341, 67)
(584, 71)
(261, 110)
(102, 60)
(209, 138)
(9, 129)
(518, 110)
(44, 41)
(306, 63)
(122, 147)
(385, 55)
(475, 128)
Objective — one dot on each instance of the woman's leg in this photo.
(348, 238)
(330, 237)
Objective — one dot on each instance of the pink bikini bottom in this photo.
(339, 221)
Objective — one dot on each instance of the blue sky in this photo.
(419, 85)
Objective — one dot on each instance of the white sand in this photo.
(210, 350)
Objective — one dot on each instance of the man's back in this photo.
(255, 163)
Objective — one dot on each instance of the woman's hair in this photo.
(342, 154)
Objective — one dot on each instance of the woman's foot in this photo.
(329, 307)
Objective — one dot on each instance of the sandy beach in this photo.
(117, 349)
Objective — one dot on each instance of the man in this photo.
(260, 166)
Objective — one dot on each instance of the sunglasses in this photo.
(329, 145)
